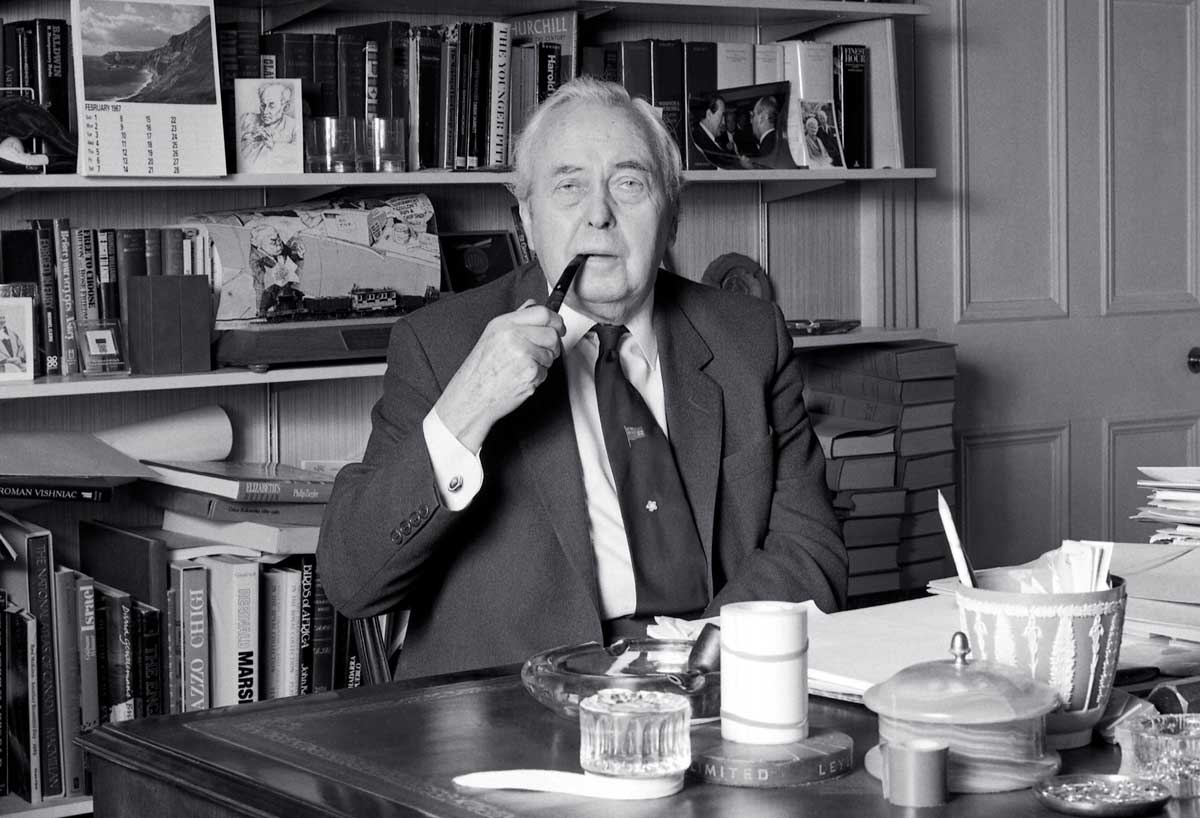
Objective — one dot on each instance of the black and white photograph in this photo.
(822, 141)
(147, 52)
(17, 343)
(269, 136)
(743, 128)
(101, 346)
(477, 257)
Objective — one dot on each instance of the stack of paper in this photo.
(1174, 499)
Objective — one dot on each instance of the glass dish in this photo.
(562, 677)
(1166, 748)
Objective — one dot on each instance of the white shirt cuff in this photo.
(457, 470)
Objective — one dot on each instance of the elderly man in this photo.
(536, 479)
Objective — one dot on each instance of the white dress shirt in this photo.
(460, 475)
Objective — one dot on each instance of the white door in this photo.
(1058, 248)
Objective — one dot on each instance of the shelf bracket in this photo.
(776, 191)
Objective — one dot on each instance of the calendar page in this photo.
(146, 81)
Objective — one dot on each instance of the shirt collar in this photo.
(640, 326)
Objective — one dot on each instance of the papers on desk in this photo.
(1174, 498)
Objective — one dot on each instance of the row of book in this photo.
(152, 621)
(35, 58)
(78, 274)
(884, 416)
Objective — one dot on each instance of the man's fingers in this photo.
(530, 314)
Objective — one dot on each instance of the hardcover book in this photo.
(115, 633)
(267, 537)
(869, 472)
(392, 38)
(867, 531)
(244, 481)
(149, 679)
(66, 646)
(851, 102)
(847, 437)
(189, 581)
(666, 88)
(735, 65)
(872, 559)
(884, 390)
(50, 321)
(873, 503)
(280, 625)
(22, 740)
(89, 663)
(221, 509)
(558, 27)
(146, 83)
(699, 86)
(233, 608)
(906, 416)
(900, 360)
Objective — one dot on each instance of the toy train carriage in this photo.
(373, 299)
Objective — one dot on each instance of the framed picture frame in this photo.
(18, 344)
(750, 132)
(269, 129)
(102, 349)
(476, 257)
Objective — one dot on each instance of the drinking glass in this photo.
(330, 144)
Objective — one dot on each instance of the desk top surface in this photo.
(393, 750)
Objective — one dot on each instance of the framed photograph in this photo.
(17, 342)
(101, 348)
(477, 257)
(742, 128)
(270, 136)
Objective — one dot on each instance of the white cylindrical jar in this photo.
(764, 672)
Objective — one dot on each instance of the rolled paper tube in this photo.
(914, 772)
(197, 434)
(764, 672)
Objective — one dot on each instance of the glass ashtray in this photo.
(562, 677)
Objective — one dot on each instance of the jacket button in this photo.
(397, 537)
(406, 527)
(423, 511)
(414, 519)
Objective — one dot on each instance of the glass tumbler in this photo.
(381, 146)
(635, 733)
(330, 143)
(1166, 748)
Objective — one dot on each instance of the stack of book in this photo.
(1173, 504)
(908, 386)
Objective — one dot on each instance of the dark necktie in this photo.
(668, 561)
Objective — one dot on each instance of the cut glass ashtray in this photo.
(562, 677)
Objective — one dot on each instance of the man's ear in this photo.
(527, 224)
(674, 230)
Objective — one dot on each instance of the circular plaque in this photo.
(825, 754)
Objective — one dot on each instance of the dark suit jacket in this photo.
(514, 572)
(718, 155)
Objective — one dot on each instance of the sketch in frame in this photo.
(269, 136)
(17, 344)
(147, 52)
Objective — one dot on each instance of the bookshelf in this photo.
(836, 243)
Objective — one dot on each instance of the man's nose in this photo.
(599, 208)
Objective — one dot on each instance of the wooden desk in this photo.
(392, 750)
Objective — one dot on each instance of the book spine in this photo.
(635, 68)
(6, 763)
(449, 97)
(273, 622)
(234, 612)
(17, 491)
(322, 638)
(64, 274)
(351, 75)
(325, 75)
(429, 58)
(173, 696)
(172, 251)
(808, 69)
(103, 695)
(548, 57)
(371, 78)
(480, 79)
(87, 297)
(498, 100)
(89, 690)
(666, 87)
(48, 303)
(106, 274)
(267, 66)
(41, 602)
(18, 757)
(196, 670)
(845, 406)
(150, 659)
(36, 776)
(851, 76)
(119, 659)
(466, 62)
(523, 252)
(130, 262)
(304, 681)
(154, 239)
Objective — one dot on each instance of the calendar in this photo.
(147, 84)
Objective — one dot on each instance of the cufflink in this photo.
(456, 482)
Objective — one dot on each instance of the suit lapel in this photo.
(551, 454)
(695, 413)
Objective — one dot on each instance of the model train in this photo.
(360, 302)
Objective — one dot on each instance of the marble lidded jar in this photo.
(991, 716)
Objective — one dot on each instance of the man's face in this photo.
(272, 104)
(596, 191)
(822, 119)
(715, 120)
(758, 121)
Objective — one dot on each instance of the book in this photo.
(186, 547)
(22, 738)
(870, 472)
(899, 360)
(560, 27)
(89, 665)
(811, 126)
(56, 465)
(351, 75)
(107, 294)
(154, 251)
(131, 263)
(547, 70)
(448, 98)
(279, 623)
(221, 509)
(879, 38)
(115, 651)
(884, 390)
(874, 583)
(4, 696)
(322, 637)
(28, 582)
(498, 100)
(851, 102)
(269, 538)
(370, 80)
(523, 88)
(424, 63)
(83, 263)
(233, 607)
(150, 649)
(735, 65)
(244, 481)
(768, 63)
(912, 442)
(905, 416)
(635, 68)
(666, 88)
(848, 437)
(926, 499)
(920, 524)
(306, 566)
(323, 97)
(921, 548)
(67, 650)
(872, 559)
(925, 471)
(64, 274)
(870, 503)
(914, 575)
(392, 38)
(49, 320)
(468, 101)
(189, 581)
(862, 531)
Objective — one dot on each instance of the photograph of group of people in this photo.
(747, 128)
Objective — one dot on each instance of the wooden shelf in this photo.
(796, 180)
(58, 386)
(54, 808)
(862, 335)
(796, 15)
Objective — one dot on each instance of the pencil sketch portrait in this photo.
(269, 137)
